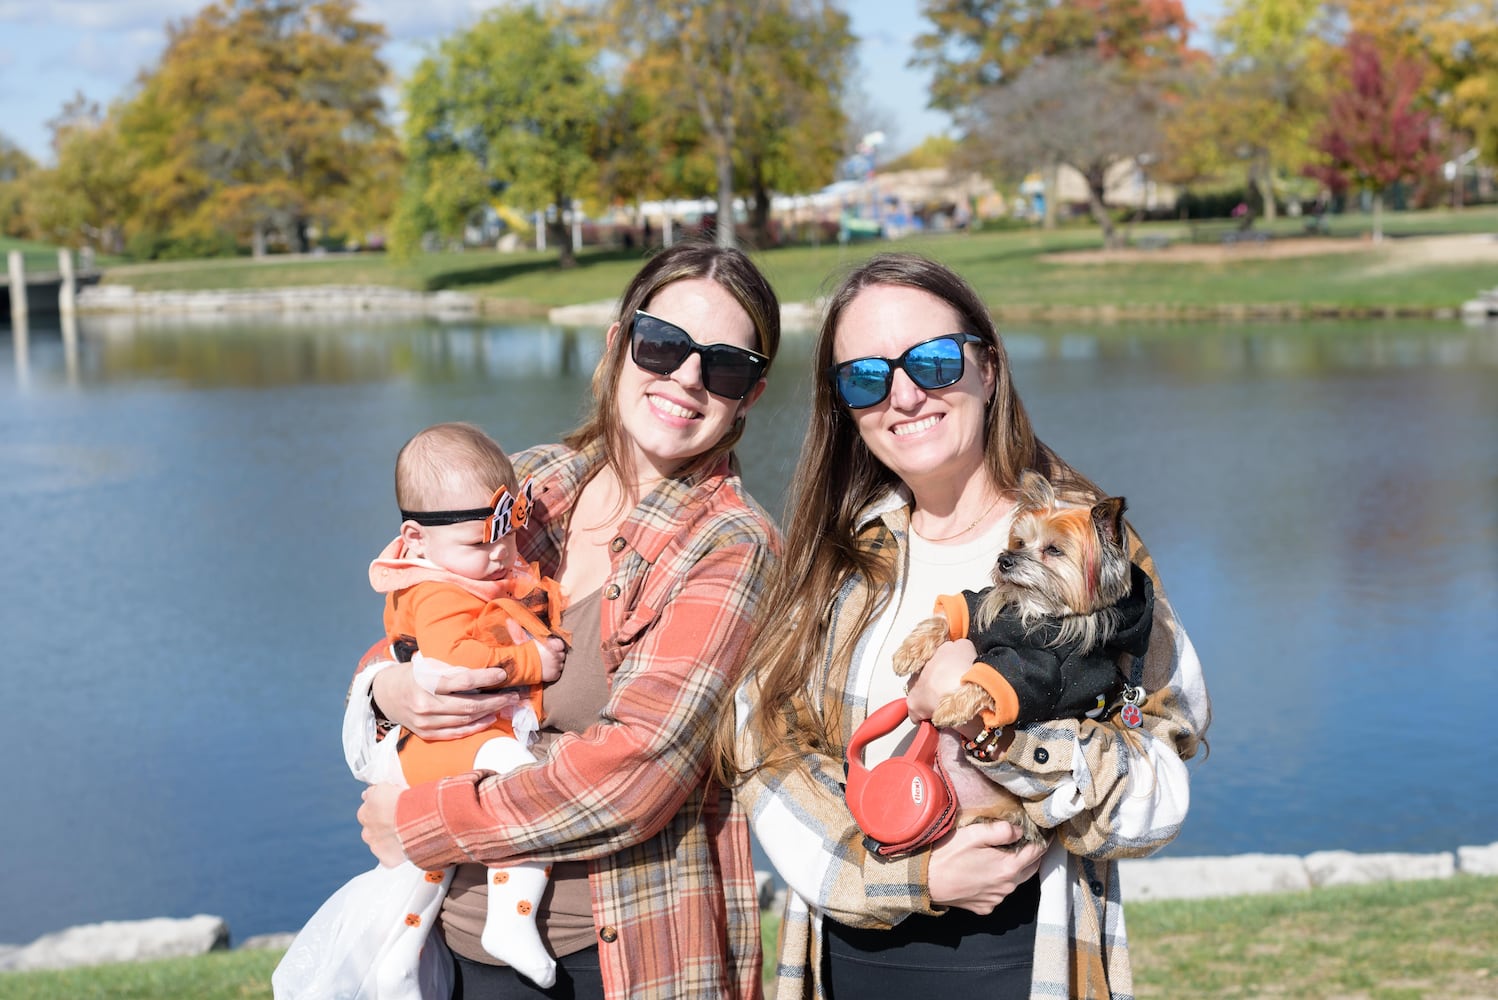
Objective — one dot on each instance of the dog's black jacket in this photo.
(1059, 682)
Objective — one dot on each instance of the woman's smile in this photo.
(916, 426)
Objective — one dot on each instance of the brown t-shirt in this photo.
(571, 704)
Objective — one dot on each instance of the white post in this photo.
(21, 335)
(70, 346)
(666, 229)
(17, 287)
(67, 294)
(577, 233)
(540, 231)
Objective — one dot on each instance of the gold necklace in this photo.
(958, 534)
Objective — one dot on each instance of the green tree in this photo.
(264, 117)
(740, 93)
(86, 199)
(1256, 105)
(510, 106)
(15, 168)
(792, 137)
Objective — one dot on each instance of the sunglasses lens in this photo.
(863, 382)
(658, 347)
(730, 372)
(935, 364)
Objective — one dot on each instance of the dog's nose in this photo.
(1006, 561)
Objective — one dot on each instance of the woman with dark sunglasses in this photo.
(641, 517)
(905, 489)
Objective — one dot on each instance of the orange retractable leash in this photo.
(907, 801)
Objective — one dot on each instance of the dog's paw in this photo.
(961, 705)
(920, 645)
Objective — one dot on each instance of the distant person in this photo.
(642, 518)
(457, 594)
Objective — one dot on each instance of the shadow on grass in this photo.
(494, 272)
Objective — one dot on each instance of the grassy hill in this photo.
(1433, 261)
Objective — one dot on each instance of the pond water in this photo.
(193, 508)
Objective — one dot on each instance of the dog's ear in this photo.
(1035, 491)
(1107, 518)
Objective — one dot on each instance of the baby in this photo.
(454, 584)
(457, 594)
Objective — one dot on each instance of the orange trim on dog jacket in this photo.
(1005, 700)
(954, 608)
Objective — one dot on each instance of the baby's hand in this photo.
(553, 652)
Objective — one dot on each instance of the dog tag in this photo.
(1130, 715)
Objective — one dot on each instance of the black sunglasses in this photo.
(931, 364)
(661, 348)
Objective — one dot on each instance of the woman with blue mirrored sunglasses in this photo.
(906, 491)
(931, 364)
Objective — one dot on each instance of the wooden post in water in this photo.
(67, 293)
(17, 288)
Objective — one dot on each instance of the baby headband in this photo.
(504, 514)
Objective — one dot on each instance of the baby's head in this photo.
(447, 483)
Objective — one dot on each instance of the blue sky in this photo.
(52, 49)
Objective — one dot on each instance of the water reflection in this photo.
(259, 351)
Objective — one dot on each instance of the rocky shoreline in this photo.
(1144, 879)
(796, 317)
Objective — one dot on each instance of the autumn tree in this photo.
(1072, 110)
(1456, 41)
(263, 117)
(1255, 106)
(511, 107)
(978, 47)
(975, 45)
(1376, 134)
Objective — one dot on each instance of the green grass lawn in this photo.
(1015, 270)
(1388, 941)
(39, 257)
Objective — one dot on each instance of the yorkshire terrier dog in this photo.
(1065, 603)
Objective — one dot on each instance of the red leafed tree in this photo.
(1376, 133)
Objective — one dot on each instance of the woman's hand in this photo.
(450, 711)
(377, 816)
(940, 676)
(971, 869)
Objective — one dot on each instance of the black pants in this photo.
(578, 978)
(958, 954)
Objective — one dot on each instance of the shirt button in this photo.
(611, 591)
(1042, 755)
(1096, 887)
(609, 935)
(618, 544)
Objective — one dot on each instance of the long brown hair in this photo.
(732, 271)
(836, 478)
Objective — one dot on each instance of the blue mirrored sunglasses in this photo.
(931, 364)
